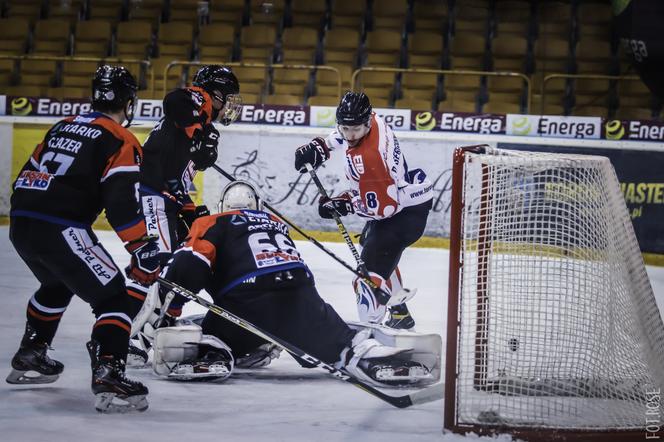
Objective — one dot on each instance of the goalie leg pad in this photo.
(371, 304)
(184, 353)
(423, 348)
(385, 365)
(380, 365)
(146, 313)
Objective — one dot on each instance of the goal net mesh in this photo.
(558, 322)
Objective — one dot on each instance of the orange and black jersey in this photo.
(167, 165)
(225, 250)
(85, 164)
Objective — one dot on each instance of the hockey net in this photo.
(552, 322)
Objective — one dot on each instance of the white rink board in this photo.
(264, 155)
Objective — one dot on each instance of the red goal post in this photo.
(553, 332)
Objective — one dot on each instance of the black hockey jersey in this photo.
(225, 250)
(167, 168)
(85, 163)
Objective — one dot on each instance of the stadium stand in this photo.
(216, 41)
(537, 38)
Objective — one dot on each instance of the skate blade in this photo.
(415, 376)
(26, 377)
(111, 403)
(186, 372)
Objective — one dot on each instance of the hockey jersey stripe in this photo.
(41, 317)
(135, 294)
(133, 231)
(48, 218)
(119, 169)
(115, 322)
(198, 255)
(44, 309)
(115, 314)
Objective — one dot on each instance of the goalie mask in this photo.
(113, 90)
(239, 195)
(354, 117)
(222, 85)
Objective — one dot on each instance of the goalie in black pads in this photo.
(246, 260)
(86, 163)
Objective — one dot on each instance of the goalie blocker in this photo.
(246, 261)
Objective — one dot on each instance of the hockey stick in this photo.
(337, 219)
(428, 394)
(392, 301)
(398, 298)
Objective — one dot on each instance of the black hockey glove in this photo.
(203, 151)
(144, 266)
(314, 153)
(340, 205)
(187, 217)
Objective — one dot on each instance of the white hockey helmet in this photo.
(239, 195)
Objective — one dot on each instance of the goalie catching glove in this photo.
(145, 263)
(341, 205)
(314, 153)
(203, 150)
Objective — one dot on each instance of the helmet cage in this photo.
(222, 85)
(239, 195)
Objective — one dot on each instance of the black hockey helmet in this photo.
(113, 87)
(221, 83)
(354, 109)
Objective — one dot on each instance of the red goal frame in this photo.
(453, 322)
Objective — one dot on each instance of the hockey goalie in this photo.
(246, 260)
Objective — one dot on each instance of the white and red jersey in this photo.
(378, 174)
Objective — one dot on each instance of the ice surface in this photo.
(282, 402)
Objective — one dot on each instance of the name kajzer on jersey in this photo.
(84, 131)
(64, 143)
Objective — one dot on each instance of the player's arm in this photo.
(119, 192)
(394, 159)
(190, 109)
(316, 152)
(191, 266)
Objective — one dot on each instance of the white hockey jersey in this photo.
(378, 174)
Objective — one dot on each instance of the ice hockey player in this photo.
(85, 164)
(183, 142)
(247, 262)
(396, 200)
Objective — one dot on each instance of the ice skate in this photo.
(114, 393)
(396, 372)
(213, 365)
(400, 318)
(31, 364)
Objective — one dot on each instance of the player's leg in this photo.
(383, 242)
(88, 270)
(249, 350)
(299, 316)
(31, 364)
(161, 222)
